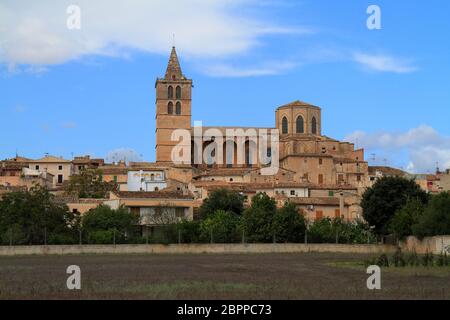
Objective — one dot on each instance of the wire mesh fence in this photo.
(175, 234)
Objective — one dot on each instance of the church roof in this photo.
(297, 103)
(173, 67)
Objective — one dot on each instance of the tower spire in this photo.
(173, 71)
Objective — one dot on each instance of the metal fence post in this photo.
(81, 237)
(243, 236)
(179, 236)
(10, 237)
(114, 236)
(45, 236)
(306, 236)
(211, 236)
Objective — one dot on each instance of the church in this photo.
(324, 177)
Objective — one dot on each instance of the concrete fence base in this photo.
(193, 249)
(435, 245)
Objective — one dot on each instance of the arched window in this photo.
(178, 92)
(170, 92)
(314, 125)
(178, 108)
(300, 125)
(170, 108)
(284, 126)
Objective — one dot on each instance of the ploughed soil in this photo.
(237, 276)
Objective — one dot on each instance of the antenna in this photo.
(173, 39)
(373, 157)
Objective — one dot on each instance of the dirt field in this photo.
(268, 276)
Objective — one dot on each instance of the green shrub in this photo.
(428, 259)
(398, 259)
(413, 259)
(189, 231)
(221, 227)
(383, 261)
(289, 225)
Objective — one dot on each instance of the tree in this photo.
(288, 224)
(435, 220)
(321, 231)
(258, 218)
(89, 184)
(189, 231)
(385, 197)
(33, 217)
(404, 219)
(222, 199)
(103, 224)
(222, 226)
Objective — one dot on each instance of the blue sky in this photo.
(91, 91)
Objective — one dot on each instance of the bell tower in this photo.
(173, 107)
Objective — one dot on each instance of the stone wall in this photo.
(194, 249)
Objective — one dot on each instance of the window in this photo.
(156, 189)
(284, 126)
(74, 210)
(231, 179)
(170, 108)
(337, 213)
(320, 178)
(60, 167)
(80, 168)
(320, 161)
(152, 177)
(37, 167)
(60, 178)
(314, 125)
(292, 192)
(115, 178)
(358, 178)
(178, 108)
(331, 193)
(319, 214)
(170, 92)
(300, 125)
(178, 92)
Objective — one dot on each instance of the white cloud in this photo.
(384, 63)
(423, 145)
(35, 32)
(265, 69)
(123, 154)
